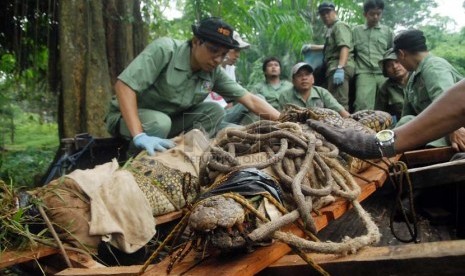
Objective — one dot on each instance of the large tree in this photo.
(97, 40)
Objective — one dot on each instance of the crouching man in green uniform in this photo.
(161, 92)
(430, 77)
(390, 97)
(304, 94)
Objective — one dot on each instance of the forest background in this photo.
(59, 58)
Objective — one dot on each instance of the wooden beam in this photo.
(102, 271)
(434, 258)
(438, 174)
(9, 258)
(168, 217)
(416, 158)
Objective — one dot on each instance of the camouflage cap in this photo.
(388, 55)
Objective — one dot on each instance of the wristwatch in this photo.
(385, 140)
(340, 66)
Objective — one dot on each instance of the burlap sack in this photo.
(68, 207)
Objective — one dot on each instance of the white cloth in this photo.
(215, 97)
(231, 71)
(120, 212)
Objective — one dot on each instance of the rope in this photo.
(306, 167)
(399, 174)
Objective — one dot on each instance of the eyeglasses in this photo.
(215, 51)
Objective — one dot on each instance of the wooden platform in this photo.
(252, 263)
(434, 258)
(272, 256)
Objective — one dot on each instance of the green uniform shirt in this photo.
(163, 80)
(370, 44)
(433, 76)
(390, 98)
(319, 97)
(337, 36)
(272, 92)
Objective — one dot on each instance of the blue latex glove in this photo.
(338, 77)
(152, 143)
(306, 48)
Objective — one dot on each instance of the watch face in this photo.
(385, 135)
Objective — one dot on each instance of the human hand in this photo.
(152, 143)
(338, 77)
(351, 141)
(457, 139)
(306, 48)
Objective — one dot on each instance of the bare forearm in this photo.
(259, 106)
(343, 56)
(344, 113)
(442, 117)
(128, 105)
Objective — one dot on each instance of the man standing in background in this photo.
(371, 41)
(338, 53)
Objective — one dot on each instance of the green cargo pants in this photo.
(205, 115)
(366, 88)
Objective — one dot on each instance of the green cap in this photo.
(388, 55)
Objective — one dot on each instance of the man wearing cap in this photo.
(304, 94)
(390, 97)
(430, 77)
(161, 92)
(371, 41)
(338, 53)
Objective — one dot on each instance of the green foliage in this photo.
(448, 46)
(16, 224)
(26, 160)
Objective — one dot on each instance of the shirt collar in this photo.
(375, 27)
(183, 58)
(422, 64)
(183, 63)
(313, 93)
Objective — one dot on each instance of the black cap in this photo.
(325, 6)
(215, 30)
(410, 40)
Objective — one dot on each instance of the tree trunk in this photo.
(126, 34)
(96, 43)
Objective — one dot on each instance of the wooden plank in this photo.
(438, 174)
(252, 263)
(9, 258)
(424, 157)
(102, 271)
(168, 217)
(434, 258)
